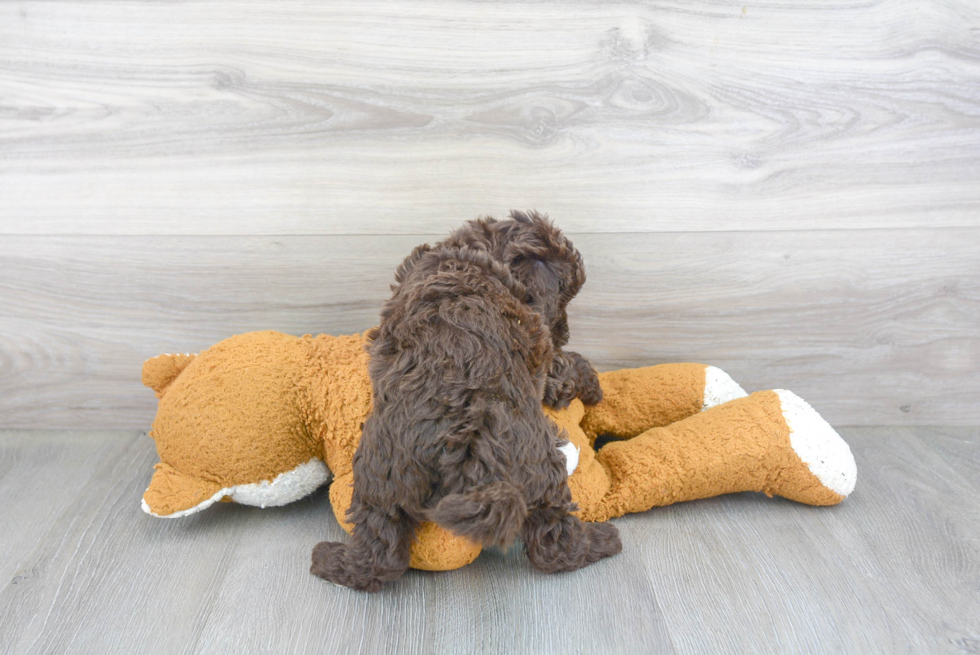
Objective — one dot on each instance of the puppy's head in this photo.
(536, 254)
(546, 263)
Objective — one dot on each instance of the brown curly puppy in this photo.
(467, 348)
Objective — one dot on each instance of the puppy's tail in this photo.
(491, 515)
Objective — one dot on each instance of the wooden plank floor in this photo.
(894, 569)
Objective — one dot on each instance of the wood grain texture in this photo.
(893, 569)
(921, 524)
(871, 326)
(956, 447)
(369, 117)
(27, 524)
(236, 580)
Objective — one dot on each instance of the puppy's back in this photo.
(458, 365)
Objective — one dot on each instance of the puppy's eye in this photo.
(530, 300)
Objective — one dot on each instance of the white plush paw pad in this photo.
(818, 445)
(570, 451)
(285, 488)
(719, 387)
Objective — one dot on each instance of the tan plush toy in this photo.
(265, 418)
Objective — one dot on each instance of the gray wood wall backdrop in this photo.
(790, 191)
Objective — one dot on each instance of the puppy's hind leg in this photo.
(555, 540)
(378, 552)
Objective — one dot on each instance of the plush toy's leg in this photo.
(637, 399)
(555, 540)
(771, 441)
(378, 551)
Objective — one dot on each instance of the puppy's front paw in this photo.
(589, 390)
(586, 380)
(558, 393)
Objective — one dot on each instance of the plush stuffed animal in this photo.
(265, 418)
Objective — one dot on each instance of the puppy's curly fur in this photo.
(467, 348)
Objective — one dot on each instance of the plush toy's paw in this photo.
(719, 387)
(823, 451)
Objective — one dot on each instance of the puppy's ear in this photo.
(530, 217)
(527, 236)
(534, 237)
(406, 266)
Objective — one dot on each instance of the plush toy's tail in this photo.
(491, 515)
(160, 371)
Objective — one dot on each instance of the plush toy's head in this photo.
(248, 420)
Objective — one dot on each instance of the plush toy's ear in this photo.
(160, 371)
